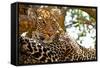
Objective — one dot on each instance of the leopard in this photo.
(42, 40)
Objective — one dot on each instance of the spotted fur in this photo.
(34, 51)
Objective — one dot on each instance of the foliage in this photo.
(81, 26)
